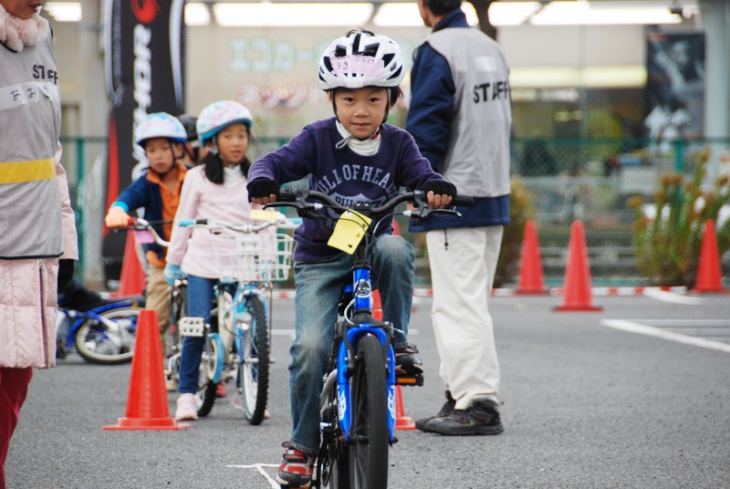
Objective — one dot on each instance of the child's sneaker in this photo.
(220, 390)
(296, 469)
(187, 407)
(407, 361)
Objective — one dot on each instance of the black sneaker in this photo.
(407, 361)
(482, 418)
(446, 410)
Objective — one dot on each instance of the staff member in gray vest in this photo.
(36, 219)
(460, 117)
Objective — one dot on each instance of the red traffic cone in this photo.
(531, 279)
(577, 296)
(147, 407)
(132, 277)
(709, 271)
(402, 422)
(377, 306)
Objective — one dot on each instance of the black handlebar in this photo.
(302, 197)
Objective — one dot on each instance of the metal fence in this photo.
(567, 179)
(592, 180)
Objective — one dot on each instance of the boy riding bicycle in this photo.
(353, 157)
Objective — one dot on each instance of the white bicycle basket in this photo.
(252, 257)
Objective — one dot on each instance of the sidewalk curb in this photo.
(553, 291)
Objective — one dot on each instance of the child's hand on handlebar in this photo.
(263, 191)
(116, 218)
(439, 193)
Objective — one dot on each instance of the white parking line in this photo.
(634, 327)
(260, 469)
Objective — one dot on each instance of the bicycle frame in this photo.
(351, 441)
(79, 318)
(363, 324)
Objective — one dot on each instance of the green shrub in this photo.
(668, 246)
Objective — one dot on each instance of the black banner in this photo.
(144, 74)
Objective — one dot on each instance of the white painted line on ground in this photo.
(633, 327)
(665, 296)
(260, 469)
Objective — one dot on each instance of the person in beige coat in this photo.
(38, 235)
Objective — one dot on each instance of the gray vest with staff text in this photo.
(30, 126)
(478, 156)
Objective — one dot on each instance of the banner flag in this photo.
(145, 56)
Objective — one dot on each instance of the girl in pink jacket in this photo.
(216, 191)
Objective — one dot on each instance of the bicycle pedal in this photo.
(414, 380)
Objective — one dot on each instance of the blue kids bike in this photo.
(103, 335)
(238, 340)
(357, 402)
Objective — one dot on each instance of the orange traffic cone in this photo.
(377, 306)
(531, 279)
(402, 422)
(577, 286)
(709, 271)
(132, 277)
(147, 407)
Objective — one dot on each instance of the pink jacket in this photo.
(28, 298)
(193, 249)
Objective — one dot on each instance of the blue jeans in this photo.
(318, 288)
(200, 302)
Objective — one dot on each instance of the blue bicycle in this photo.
(238, 340)
(357, 403)
(103, 335)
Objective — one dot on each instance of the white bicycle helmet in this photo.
(220, 115)
(361, 59)
(159, 125)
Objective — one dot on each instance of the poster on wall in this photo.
(675, 85)
(145, 56)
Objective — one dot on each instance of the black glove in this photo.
(440, 187)
(65, 273)
(262, 187)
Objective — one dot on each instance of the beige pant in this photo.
(158, 299)
(463, 262)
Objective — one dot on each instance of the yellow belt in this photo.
(27, 171)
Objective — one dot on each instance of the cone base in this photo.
(577, 307)
(532, 292)
(405, 423)
(712, 290)
(148, 424)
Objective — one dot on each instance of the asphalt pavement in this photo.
(635, 396)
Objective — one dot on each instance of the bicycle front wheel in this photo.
(368, 441)
(253, 369)
(211, 366)
(98, 343)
